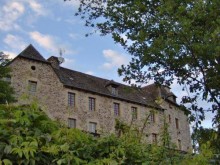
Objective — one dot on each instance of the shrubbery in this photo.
(28, 136)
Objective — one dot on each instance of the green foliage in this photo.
(206, 139)
(172, 39)
(28, 136)
(6, 91)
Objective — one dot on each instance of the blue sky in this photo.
(50, 25)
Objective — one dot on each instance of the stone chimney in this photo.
(54, 62)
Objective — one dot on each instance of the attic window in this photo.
(114, 91)
(33, 67)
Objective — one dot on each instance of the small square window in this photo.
(32, 86)
(114, 91)
(71, 99)
(91, 104)
(134, 113)
(116, 109)
(71, 123)
(92, 127)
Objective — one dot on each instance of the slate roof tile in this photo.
(75, 79)
(82, 81)
(31, 53)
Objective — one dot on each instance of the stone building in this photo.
(93, 104)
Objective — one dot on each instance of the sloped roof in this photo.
(89, 83)
(31, 53)
(82, 81)
(159, 91)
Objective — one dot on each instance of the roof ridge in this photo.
(32, 53)
(93, 76)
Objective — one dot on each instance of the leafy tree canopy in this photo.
(201, 136)
(172, 40)
(6, 91)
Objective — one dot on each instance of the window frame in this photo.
(169, 118)
(134, 113)
(179, 144)
(116, 109)
(71, 99)
(92, 104)
(114, 90)
(70, 122)
(32, 85)
(92, 127)
(152, 117)
(154, 138)
(177, 123)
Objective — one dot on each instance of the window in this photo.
(169, 118)
(114, 91)
(32, 86)
(179, 145)
(33, 67)
(134, 112)
(116, 109)
(71, 99)
(154, 138)
(177, 123)
(92, 127)
(152, 117)
(91, 104)
(7, 79)
(71, 123)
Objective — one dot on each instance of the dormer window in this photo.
(114, 91)
(112, 87)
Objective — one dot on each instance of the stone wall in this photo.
(48, 93)
(104, 113)
(183, 132)
(53, 98)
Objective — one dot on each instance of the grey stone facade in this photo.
(35, 78)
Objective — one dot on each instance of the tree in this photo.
(201, 136)
(172, 40)
(29, 136)
(6, 92)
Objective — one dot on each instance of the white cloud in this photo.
(50, 43)
(114, 59)
(37, 7)
(11, 55)
(68, 63)
(74, 36)
(10, 13)
(14, 42)
(45, 41)
(72, 3)
(90, 72)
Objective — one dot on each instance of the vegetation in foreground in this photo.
(28, 136)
